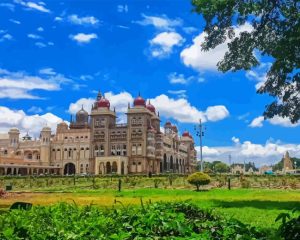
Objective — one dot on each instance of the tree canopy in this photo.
(198, 179)
(275, 33)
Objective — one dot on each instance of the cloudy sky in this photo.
(56, 55)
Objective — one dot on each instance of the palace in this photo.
(96, 144)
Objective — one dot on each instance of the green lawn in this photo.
(258, 207)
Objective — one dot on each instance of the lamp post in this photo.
(200, 133)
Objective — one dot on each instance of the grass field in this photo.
(258, 207)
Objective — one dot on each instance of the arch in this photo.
(165, 167)
(69, 169)
(122, 168)
(114, 168)
(108, 168)
(171, 164)
(28, 155)
(160, 166)
(35, 155)
(9, 171)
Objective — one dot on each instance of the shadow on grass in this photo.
(279, 205)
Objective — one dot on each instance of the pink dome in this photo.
(139, 101)
(103, 103)
(150, 107)
(186, 134)
(168, 123)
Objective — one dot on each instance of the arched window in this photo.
(139, 149)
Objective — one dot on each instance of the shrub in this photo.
(198, 179)
(245, 183)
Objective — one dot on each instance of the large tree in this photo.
(275, 33)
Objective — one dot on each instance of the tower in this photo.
(14, 135)
(102, 119)
(287, 162)
(45, 138)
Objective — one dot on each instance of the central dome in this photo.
(186, 134)
(103, 103)
(139, 101)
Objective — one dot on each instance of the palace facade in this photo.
(96, 144)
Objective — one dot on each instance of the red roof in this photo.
(139, 101)
(150, 107)
(103, 103)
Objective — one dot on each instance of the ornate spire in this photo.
(99, 95)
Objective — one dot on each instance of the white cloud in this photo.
(182, 111)
(15, 21)
(235, 140)
(40, 6)
(85, 102)
(161, 23)
(35, 109)
(179, 93)
(6, 36)
(257, 122)
(284, 122)
(33, 123)
(259, 74)
(47, 71)
(175, 78)
(86, 77)
(123, 27)
(83, 38)
(18, 85)
(33, 36)
(119, 101)
(216, 113)
(179, 109)
(40, 44)
(207, 151)
(122, 8)
(10, 6)
(261, 154)
(190, 30)
(58, 19)
(276, 120)
(40, 29)
(163, 43)
(88, 20)
(193, 56)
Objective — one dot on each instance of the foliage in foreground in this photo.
(290, 227)
(181, 220)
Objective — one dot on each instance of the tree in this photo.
(221, 167)
(275, 33)
(198, 179)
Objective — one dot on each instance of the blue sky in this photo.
(56, 55)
